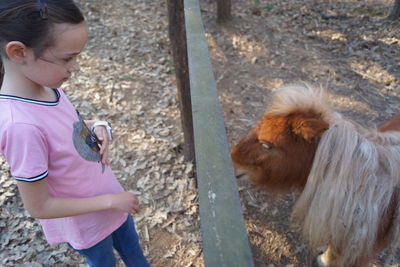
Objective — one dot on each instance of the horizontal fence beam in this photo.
(225, 241)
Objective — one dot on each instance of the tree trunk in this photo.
(223, 10)
(177, 36)
(395, 14)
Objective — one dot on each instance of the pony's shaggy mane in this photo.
(353, 177)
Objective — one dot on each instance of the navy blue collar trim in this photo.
(33, 101)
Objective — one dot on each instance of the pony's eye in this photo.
(266, 145)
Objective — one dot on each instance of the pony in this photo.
(347, 175)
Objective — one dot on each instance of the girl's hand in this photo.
(101, 133)
(125, 201)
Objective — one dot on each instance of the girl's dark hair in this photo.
(31, 21)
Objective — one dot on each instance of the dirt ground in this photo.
(127, 78)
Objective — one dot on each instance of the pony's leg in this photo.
(330, 259)
(326, 259)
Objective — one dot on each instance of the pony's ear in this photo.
(310, 129)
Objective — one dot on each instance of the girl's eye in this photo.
(266, 145)
(68, 59)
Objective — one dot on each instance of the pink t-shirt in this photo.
(48, 140)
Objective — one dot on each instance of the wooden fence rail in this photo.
(224, 235)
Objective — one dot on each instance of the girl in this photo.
(61, 166)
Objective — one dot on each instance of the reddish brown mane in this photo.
(292, 139)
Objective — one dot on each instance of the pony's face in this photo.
(278, 152)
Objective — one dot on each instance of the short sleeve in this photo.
(25, 149)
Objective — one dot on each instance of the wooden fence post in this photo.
(395, 13)
(223, 10)
(177, 36)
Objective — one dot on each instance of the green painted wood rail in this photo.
(224, 235)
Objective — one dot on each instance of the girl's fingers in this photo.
(102, 136)
(104, 154)
(103, 146)
(104, 159)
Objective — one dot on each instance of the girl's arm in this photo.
(42, 206)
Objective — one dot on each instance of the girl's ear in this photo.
(16, 51)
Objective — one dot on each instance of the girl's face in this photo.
(55, 65)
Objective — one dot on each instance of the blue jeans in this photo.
(125, 240)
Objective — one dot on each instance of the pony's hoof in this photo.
(317, 262)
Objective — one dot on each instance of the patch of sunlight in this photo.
(272, 242)
(247, 47)
(341, 103)
(215, 50)
(390, 41)
(331, 34)
(367, 38)
(372, 71)
(272, 83)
